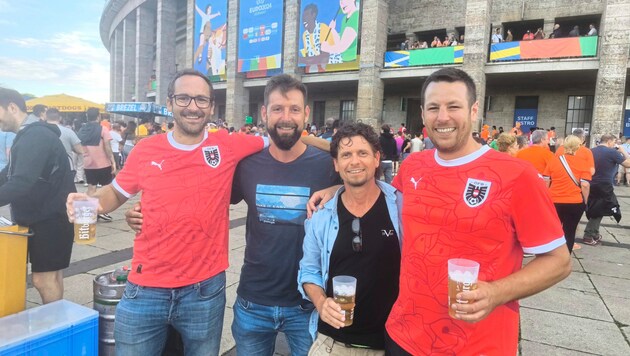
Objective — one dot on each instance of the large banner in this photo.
(210, 38)
(544, 49)
(329, 35)
(424, 57)
(260, 35)
(626, 124)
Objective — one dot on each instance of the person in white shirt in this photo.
(497, 37)
(592, 31)
(416, 143)
(116, 142)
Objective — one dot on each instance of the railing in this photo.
(569, 47)
(424, 57)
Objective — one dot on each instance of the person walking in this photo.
(390, 153)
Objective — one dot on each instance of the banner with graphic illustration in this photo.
(329, 35)
(260, 35)
(210, 38)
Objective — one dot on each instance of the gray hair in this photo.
(579, 133)
(538, 136)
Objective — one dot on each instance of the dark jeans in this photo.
(392, 348)
(570, 215)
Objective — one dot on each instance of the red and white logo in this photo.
(476, 192)
(212, 156)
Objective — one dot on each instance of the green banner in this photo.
(588, 45)
(439, 55)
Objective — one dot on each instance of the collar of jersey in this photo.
(179, 146)
(461, 160)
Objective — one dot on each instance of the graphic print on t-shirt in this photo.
(277, 204)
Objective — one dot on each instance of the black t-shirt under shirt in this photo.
(376, 268)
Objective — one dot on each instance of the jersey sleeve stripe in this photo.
(120, 190)
(546, 247)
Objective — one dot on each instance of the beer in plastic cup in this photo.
(85, 215)
(462, 277)
(344, 292)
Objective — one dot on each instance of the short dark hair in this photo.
(606, 138)
(53, 114)
(39, 109)
(313, 8)
(386, 128)
(451, 75)
(354, 129)
(8, 96)
(284, 83)
(171, 86)
(92, 114)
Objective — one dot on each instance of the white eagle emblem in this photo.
(476, 192)
(212, 156)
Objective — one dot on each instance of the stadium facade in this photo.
(351, 56)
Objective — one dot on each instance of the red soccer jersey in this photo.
(185, 202)
(487, 207)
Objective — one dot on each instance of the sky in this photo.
(54, 46)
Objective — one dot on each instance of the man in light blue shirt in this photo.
(6, 140)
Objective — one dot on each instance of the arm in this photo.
(341, 43)
(543, 272)
(199, 11)
(109, 200)
(329, 311)
(78, 149)
(319, 198)
(108, 151)
(133, 217)
(586, 189)
(316, 142)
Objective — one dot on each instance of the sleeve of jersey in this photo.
(245, 145)
(538, 227)
(127, 180)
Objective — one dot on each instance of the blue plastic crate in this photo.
(58, 328)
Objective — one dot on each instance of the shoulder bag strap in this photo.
(566, 168)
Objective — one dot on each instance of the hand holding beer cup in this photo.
(462, 277)
(345, 291)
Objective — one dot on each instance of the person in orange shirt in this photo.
(538, 154)
(551, 135)
(516, 130)
(582, 152)
(485, 133)
(568, 177)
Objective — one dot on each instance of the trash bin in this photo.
(108, 289)
(13, 247)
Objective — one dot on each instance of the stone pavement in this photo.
(586, 314)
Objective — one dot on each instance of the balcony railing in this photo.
(570, 47)
(424, 57)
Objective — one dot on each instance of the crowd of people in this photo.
(444, 194)
(450, 40)
(558, 32)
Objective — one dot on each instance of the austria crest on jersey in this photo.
(212, 156)
(476, 192)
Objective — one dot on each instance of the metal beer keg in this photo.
(108, 289)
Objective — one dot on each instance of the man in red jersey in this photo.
(181, 253)
(464, 200)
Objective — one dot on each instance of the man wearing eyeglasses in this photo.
(181, 252)
(356, 233)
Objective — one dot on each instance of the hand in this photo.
(133, 217)
(319, 198)
(484, 298)
(113, 169)
(74, 197)
(330, 313)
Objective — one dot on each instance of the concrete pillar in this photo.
(610, 88)
(477, 24)
(145, 38)
(118, 62)
(373, 45)
(165, 46)
(129, 58)
(112, 67)
(236, 96)
(291, 38)
(190, 34)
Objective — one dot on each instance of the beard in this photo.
(284, 142)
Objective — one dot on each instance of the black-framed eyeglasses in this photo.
(357, 240)
(183, 100)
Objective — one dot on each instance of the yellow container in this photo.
(13, 247)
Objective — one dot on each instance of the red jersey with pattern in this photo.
(185, 202)
(487, 207)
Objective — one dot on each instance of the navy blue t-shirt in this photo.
(276, 194)
(606, 161)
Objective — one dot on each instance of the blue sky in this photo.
(53, 47)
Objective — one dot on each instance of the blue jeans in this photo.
(256, 326)
(195, 311)
(387, 168)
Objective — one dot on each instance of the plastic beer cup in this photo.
(344, 292)
(85, 215)
(462, 277)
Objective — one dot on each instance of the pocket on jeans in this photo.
(211, 288)
(306, 306)
(243, 303)
(131, 290)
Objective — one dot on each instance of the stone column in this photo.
(112, 67)
(145, 38)
(190, 34)
(373, 45)
(165, 43)
(291, 38)
(129, 58)
(118, 61)
(476, 47)
(610, 88)
(236, 96)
